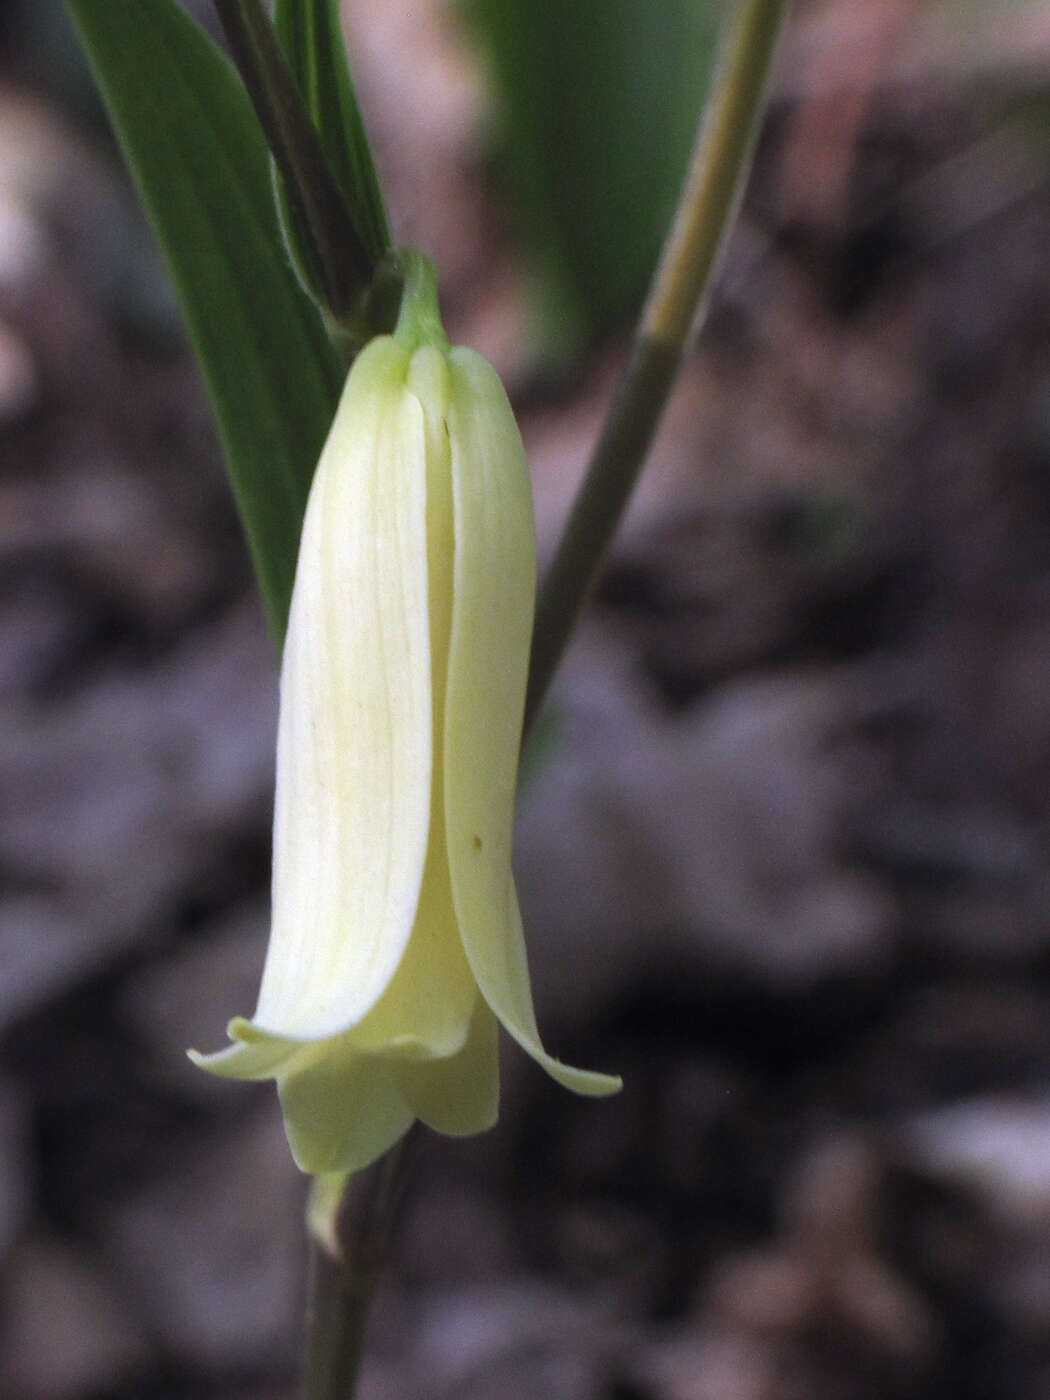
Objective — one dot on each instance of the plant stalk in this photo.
(350, 1222)
(711, 195)
(344, 260)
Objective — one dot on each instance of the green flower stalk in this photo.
(396, 945)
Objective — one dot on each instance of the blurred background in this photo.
(786, 864)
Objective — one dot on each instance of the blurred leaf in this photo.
(600, 104)
(311, 35)
(543, 742)
(202, 169)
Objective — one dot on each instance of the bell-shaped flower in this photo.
(396, 946)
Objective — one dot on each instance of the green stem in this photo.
(419, 320)
(713, 188)
(350, 1223)
(342, 256)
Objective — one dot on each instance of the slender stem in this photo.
(350, 1225)
(419, 320)
(714, 185)
(346, 265)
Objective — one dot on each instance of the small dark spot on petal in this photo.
(477, 843)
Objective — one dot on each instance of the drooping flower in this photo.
(396, 945)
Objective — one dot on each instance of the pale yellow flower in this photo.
(396, 944)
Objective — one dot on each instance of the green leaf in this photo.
(202, 169)
(599, 104)
(311, 35)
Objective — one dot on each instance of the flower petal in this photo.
(253, 1055)
(427, 1007)
(425, 1011)
(459, 1095)
(354, 745)
(493, 597)
(341, 1110)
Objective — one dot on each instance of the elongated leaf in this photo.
(311, 35)
(202, 169)
(599, 105)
